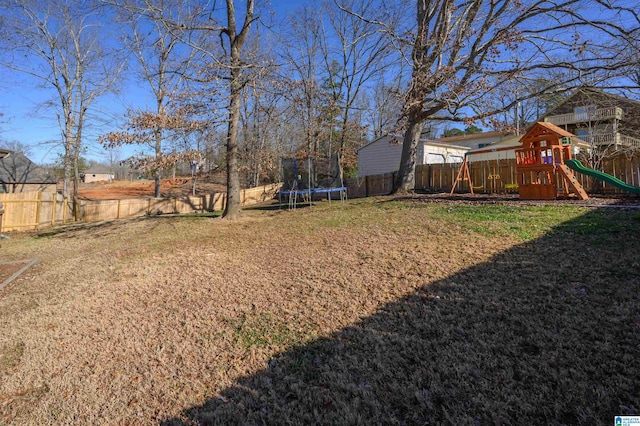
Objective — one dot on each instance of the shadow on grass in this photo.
(74, 228)
(545, 333)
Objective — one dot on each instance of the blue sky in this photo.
(25, 119)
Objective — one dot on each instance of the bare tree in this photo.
(228, 68)
(525, 110)
(300, 51)
(236, 39)
(386, 105)
(260, 115)
(464, 50)
(164, 60)
(354, 52)
(60, 44)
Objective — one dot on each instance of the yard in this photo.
(382, 311)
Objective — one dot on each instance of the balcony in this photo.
(611, 139)
(601, 114)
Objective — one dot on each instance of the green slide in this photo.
(578, 167)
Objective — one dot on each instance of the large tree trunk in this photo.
(232, 208)
(67, 160)
(406, 177)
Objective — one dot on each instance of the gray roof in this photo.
(16, 168)
(98, 169)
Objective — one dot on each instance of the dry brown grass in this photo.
(379, 312)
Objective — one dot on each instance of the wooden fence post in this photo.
(366, 186)
(38, 208)
(54, 206)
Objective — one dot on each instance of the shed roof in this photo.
(15, 167)
(98, 169)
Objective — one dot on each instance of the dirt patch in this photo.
(514, 200)
(177, 187)
(8, 269)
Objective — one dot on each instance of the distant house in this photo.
(501, 150)
(602, 119)
(477, 140)
(97, 173)
(505, 149)
(19, 174)
(383, 154)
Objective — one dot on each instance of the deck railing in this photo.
(600, 114)
(611, 139)
(629, 141)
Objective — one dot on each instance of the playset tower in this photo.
(542, 174)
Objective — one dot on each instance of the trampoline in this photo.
(304, 179)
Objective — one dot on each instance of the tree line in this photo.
(239, 86)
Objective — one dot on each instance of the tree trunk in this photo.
(406, 178)
(66, 180)
(67, 161)
(76, 182)
(158, 151)
(232, 208)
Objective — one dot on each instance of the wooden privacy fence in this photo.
(98, 210)
(369, 186)
(486, 176)
(33, 210)
(489, 176)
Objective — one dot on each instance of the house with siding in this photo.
(383, 154)
(98, 173)
(478, 140)
(603, 120)
(505, 149)
(19, 174)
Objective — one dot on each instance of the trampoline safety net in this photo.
(312, 177)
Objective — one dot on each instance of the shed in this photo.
(383, 154)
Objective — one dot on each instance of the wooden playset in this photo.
(540, 168)
(540, 165)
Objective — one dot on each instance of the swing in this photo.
(463, 174)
